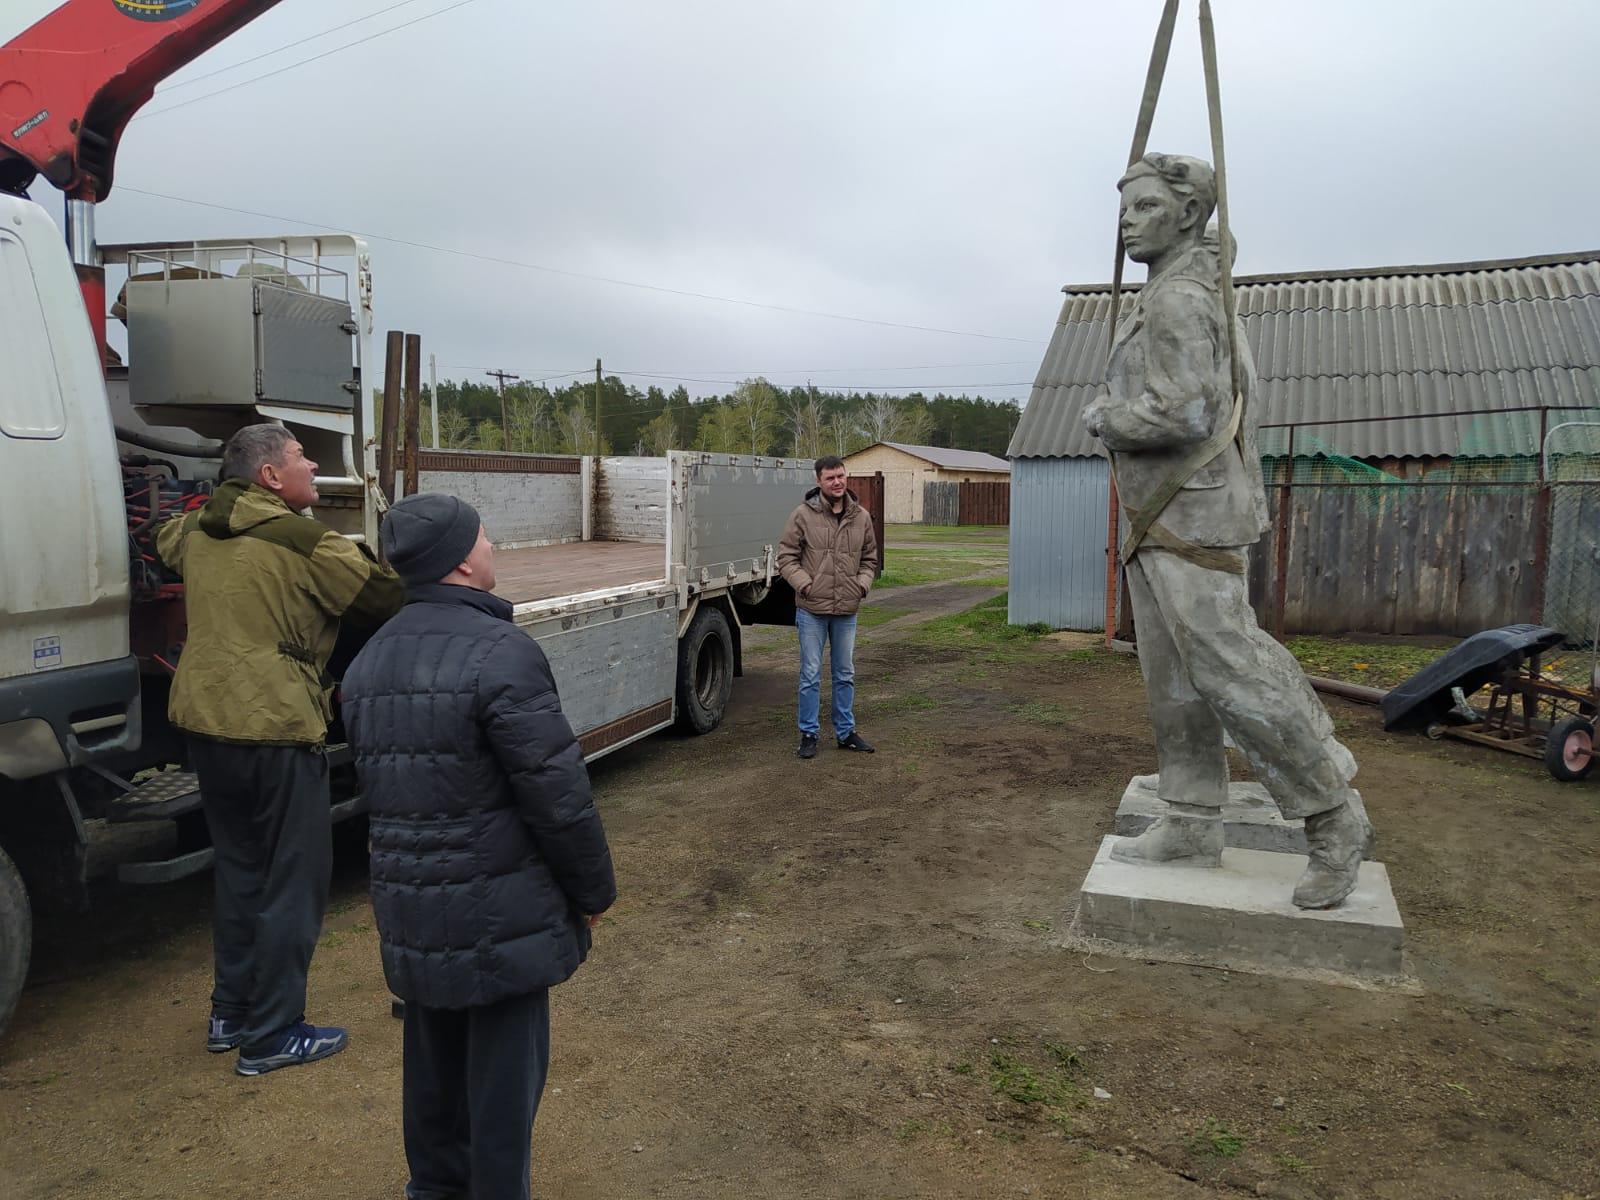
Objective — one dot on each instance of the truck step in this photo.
(169, 794)
(168, 869)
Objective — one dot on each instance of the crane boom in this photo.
(70, 83)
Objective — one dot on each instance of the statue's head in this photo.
(1166, 201)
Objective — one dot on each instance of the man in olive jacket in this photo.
(829, 555)
(265, 590)
(489, 861)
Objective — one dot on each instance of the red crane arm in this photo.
(70, 83)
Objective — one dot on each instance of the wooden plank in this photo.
(545, 572)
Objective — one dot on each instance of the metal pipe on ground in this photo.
(1350, 691)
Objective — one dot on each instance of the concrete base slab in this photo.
(1240, 915)
(1250, 817)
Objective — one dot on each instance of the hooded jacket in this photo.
(265, 591)
(829, 559)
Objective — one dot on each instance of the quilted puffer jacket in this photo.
(487, 850)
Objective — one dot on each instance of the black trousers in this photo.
(473, 1077)
(269, 815)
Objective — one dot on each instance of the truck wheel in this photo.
(16, 937)
(1569, 750)
(705, 671)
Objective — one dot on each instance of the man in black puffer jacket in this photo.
(489, 862)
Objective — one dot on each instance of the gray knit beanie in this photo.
(428, 535)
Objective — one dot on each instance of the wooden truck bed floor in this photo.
(545, 572)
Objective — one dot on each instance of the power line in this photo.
(628, 283)
(183, 83)
(302, 62)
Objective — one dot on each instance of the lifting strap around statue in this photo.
(1144, 523)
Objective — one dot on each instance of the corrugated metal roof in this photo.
(1399, 342)
(952, 460)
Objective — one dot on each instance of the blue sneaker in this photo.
(224, 1034)
(298, 1045)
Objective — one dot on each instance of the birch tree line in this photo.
(755, 417)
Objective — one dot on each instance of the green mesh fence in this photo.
(1510, 494)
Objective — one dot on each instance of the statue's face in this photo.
(1154, 218)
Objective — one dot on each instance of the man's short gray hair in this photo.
(1184, 175)
(252, 448)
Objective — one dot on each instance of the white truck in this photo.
(635, 574)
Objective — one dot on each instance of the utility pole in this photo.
(597, 386)
(505, 426)
(433, 395)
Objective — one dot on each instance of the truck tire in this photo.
(705, 671)
(16, 937)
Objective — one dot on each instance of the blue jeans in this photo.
(840, 632)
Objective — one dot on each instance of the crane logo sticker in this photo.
(155, 10)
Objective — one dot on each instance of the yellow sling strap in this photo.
(1144, 523)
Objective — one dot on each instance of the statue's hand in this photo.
(1094, 416)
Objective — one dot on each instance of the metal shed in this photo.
(1426, 363)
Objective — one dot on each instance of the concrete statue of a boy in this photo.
(1183, 453)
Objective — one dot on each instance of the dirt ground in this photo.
(845, 979)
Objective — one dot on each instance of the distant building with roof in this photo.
(1402, 368)
(906, 469)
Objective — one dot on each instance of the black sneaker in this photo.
(808, 746)
(224, 1033)
(856, 742)
(297, 1045)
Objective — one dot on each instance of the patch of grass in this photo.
(1079, 654)
(1010, 1136)
(982, 627)
(937, 565)
(1376, 664)
(1037, 926)
(1215, 1140)
(1017, 1080)
(1291, 1165)
(1040, 713)
(988, 581)
(904, 574)
(872, 615)
(912, 1129)
(900, 534)
(961, 1068)
(911, 702)
(1065, 1056)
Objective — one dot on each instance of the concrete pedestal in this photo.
(1240, 915)
(1250, 818)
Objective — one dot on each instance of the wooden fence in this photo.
(985, 503)
(868, 491)
(1398, 559)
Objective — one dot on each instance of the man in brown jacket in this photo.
(829, 555)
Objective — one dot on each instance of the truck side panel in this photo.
(731, 513)
(615, 661)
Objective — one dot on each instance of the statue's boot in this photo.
(1336, 841)
(1189, 835)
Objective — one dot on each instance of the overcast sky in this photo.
(938, 164)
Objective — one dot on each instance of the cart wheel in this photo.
(1569, 750)
(1437, 730)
